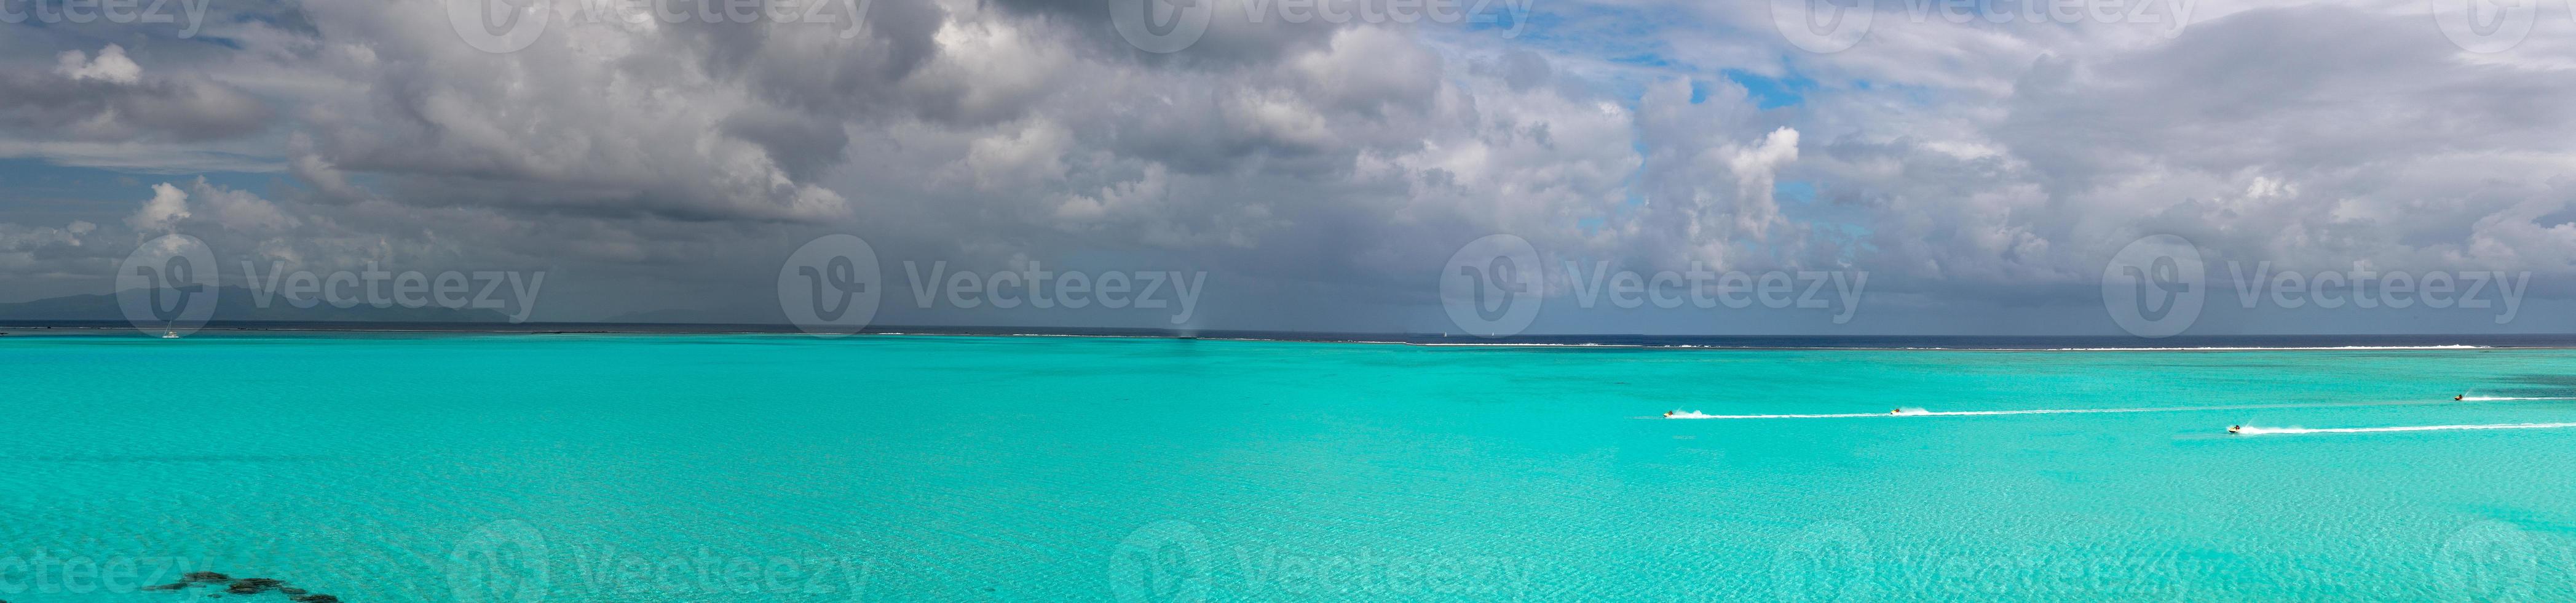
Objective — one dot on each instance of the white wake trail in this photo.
(2249, 430)
(1954, 413)
(1916, 412)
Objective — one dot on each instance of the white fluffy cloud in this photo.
(111, 66)
(167, 207)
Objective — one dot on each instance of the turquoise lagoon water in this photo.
(436, 467)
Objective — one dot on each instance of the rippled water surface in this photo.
(434, 467)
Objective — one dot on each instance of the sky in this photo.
(1916, 167)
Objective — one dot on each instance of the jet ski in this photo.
(2235, 429)
(1908, 411)
(1687, 414)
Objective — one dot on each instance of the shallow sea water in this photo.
(441, 467)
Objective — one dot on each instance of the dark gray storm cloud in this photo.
(109, 98)
(1325, 168)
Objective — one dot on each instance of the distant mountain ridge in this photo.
(691, 316)
(238, 304)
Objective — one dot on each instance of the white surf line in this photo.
(2298, 430)
(2502, 398)
(2054, 411)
